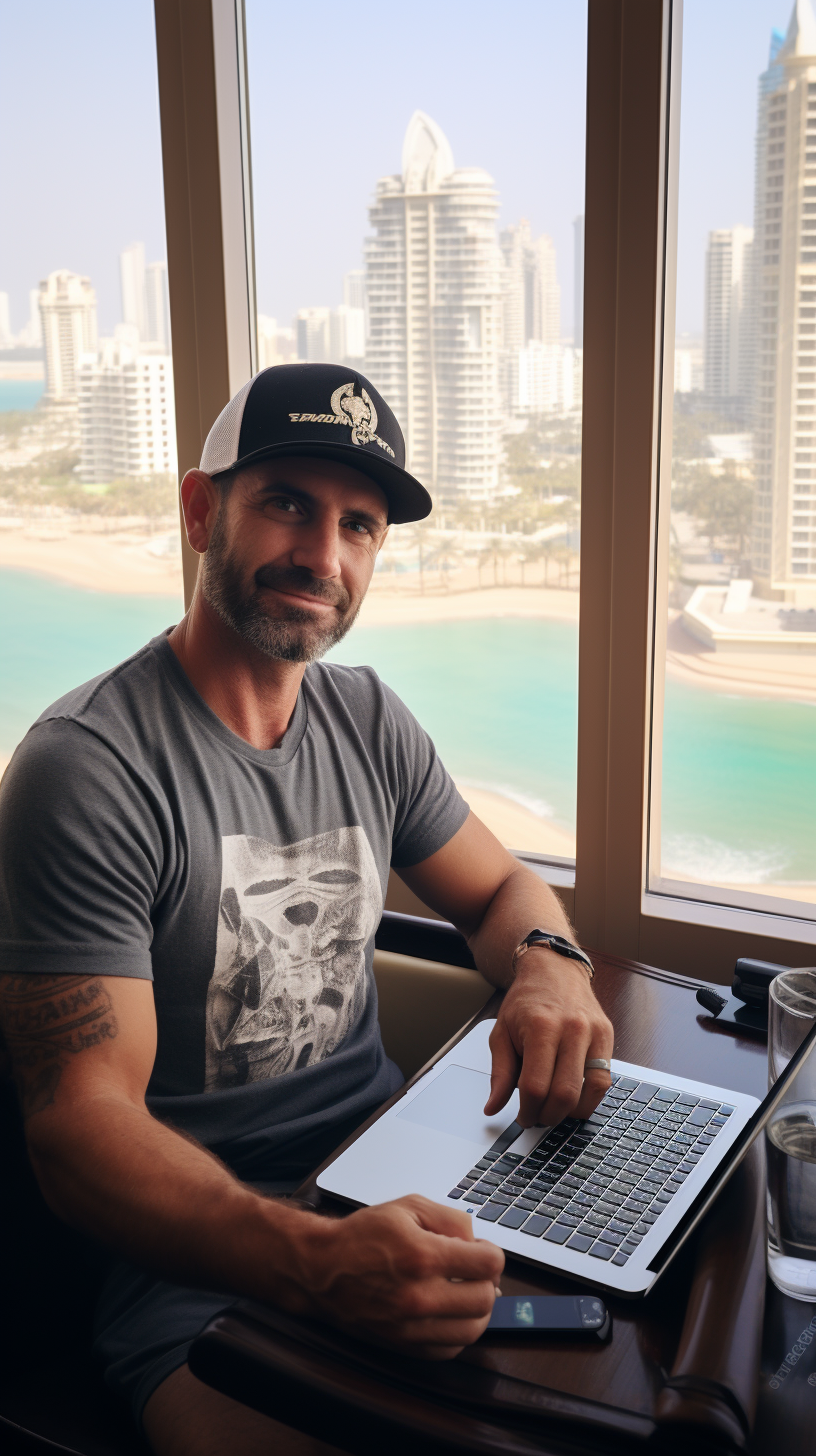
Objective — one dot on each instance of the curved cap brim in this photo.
(407, 499)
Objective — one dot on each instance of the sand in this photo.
(107, 561)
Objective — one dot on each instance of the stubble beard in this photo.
(294, 636)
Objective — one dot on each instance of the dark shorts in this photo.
(144, 1326)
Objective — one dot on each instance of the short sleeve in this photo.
(80, 858)
(430, 809)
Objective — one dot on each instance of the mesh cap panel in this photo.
(221, 445)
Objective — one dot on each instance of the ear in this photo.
(200, 503)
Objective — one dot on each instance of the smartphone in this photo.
(583, 1315)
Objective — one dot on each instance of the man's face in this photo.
(291, 554)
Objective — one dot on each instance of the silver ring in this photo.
(597, 1064)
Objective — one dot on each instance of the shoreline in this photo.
(136, 563)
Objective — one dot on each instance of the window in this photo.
(421, 220)
(734, 773)
(89, 531)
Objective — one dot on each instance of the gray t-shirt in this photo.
(140, 837)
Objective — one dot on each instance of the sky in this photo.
(331, 93)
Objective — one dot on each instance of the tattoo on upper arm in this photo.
(46, 1020)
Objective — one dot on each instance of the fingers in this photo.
(439, 1220)
(596, 1085)
(504, 1071)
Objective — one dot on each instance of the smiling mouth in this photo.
(305, 597)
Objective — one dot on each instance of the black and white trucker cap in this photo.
(317, 409)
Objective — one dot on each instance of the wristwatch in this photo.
(558, 943)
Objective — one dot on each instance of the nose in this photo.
(318, 548)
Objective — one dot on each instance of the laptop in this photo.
(609, 1200)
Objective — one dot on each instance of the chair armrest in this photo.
(422, 1004)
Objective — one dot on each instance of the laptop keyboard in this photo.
(598, 1186)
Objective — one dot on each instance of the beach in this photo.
(137, 559)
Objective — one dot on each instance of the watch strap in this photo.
(557, 943)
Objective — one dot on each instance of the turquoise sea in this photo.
(19, 394)
(500, 700)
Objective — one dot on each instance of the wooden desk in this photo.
(658, 1023)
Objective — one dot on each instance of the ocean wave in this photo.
(539, 807)
(699, 857)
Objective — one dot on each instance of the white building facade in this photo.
(126, 413)
(727, 343)
(433, 289)
(67, 305)
(784, 418)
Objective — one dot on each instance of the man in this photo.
(195, 849)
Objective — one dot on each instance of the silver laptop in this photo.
(608, 1201)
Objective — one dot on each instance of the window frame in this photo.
(630, 224)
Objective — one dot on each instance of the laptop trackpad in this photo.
(453, 1104)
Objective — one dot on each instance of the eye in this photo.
(283, 503)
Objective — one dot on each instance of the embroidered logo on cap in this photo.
(349, 409)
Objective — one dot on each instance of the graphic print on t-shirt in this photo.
(289, 979)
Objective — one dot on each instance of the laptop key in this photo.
(600, 1250)
(558, 1233)
(513, 1218)
(580, 1242)
(620, 1258)
(491, 1211)
(528, 1203)
(535, 1225)
(474, 1197)
(500, 1197)
(456, 1193)
(616, 1226)
(570, 1219)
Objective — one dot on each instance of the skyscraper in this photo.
(532, 296)
(578, 281)
(727, 340)
(434, 298)
(784, 542)
(132, 281)
(6, 339)
(156, 306)
(126, 415)
(67, 306)
(531, 322)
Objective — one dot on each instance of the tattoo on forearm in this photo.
(45, 1021)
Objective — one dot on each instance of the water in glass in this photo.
(791, 1140)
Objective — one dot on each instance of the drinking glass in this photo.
(790, 1138)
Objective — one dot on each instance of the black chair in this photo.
(52, 1397)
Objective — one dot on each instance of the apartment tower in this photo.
(67, 305)
(728, 352)
(433, 289)
(784, 543)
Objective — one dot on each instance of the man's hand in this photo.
(548, 1026)
(408, 1274)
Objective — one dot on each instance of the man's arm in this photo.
(409, 1273)
(550, 1022)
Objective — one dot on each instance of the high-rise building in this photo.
(433, 289)
(784, 417)
(313, 329)
(532, 296)
(67, 305)
(728, 352)
(531, 320)
(578, 281)
(156, 306)
(126, 415)
(275, 345)
(31, 334)
(132, 281)
(545, 379)
(6, 336)
(354, 288)
(347, 334)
